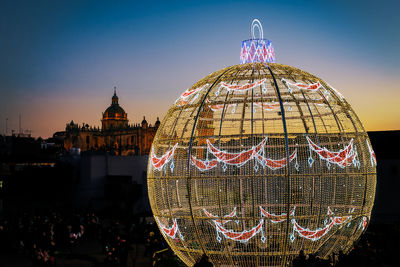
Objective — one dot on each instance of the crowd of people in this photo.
(42, 237)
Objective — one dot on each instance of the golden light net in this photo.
(258, 161)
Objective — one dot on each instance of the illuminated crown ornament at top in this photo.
(257, 49)
(258, 161)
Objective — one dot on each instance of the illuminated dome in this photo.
(114, 116)
(258, 161)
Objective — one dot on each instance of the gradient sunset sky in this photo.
(59, 60)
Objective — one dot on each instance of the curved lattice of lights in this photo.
(258, 161)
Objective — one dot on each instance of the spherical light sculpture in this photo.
(258, 161)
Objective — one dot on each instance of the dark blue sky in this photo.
(59, 60)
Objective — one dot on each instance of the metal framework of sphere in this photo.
(258, 161)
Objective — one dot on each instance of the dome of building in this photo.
(258, 161)
(114, 111)
(114, 116)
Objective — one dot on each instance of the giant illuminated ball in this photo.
(258, 161)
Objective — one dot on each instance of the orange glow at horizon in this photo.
(376, 114)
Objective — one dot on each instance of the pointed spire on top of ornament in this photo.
(257, 49)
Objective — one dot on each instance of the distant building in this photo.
(116, 135)
(386, 145)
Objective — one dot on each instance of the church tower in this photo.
(115, 116)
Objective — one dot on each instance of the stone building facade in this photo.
(116, 135)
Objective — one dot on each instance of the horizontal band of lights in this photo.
(342, 158)
(189, 96)
(245, 235)
(225, 178)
